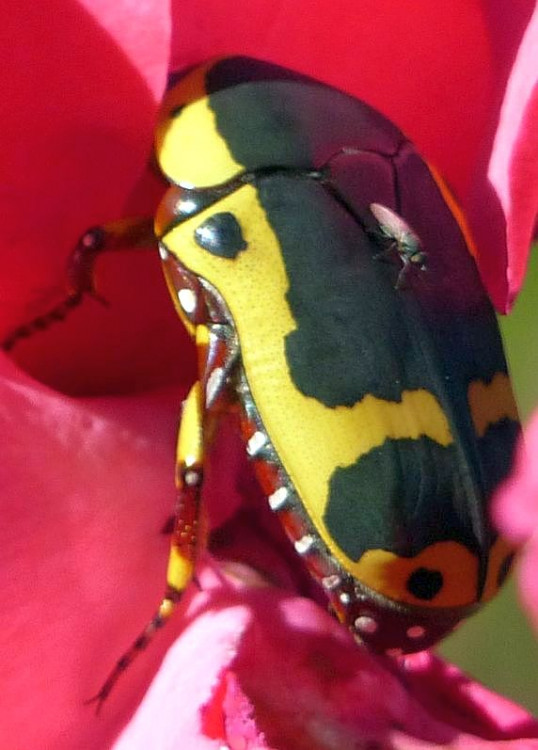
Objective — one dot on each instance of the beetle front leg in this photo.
(185, 541)
(117, 235)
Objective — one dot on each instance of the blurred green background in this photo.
(497, 646)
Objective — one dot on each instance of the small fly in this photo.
(402, 239)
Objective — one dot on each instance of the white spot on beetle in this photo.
(304, 544)
(187, 300)
(192, 478)
(256, 442)
(278, 499)
(416, 631)
(366, 624)
(214, 384)
(331, 582)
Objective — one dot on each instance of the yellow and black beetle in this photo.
(327, 277)
(382, 410)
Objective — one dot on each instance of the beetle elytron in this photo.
(376, 405)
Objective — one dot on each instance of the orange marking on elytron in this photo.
(489, 403)
(498, 554)
(455, 210)
(388, 572)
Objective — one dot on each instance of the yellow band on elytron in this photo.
(311, 439)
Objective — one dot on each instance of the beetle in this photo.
(378, 415)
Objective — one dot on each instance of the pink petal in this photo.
(516, 509)
(262, 669)
(144, 39)
(516, 513)
(209, 642)
(500, 201)
(513, 168)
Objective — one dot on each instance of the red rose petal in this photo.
(87, 484)
(79, 103)
(440, 73)
(86, 488)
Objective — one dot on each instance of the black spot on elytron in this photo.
(403, 496)
(221, 235)
(505, 569)
(425, 584)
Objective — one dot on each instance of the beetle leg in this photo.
(185, 536)
(118, 235)
(217, 351)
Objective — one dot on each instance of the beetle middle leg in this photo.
(186, 537)
(217, 354)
